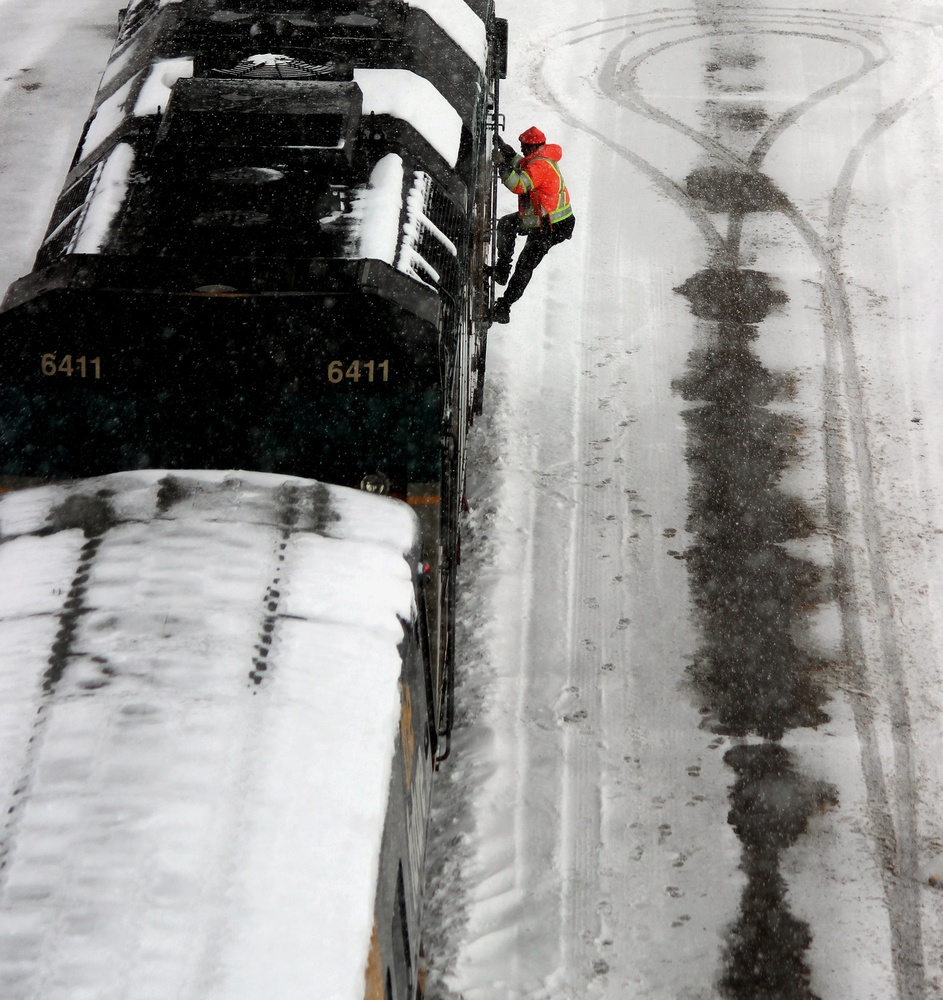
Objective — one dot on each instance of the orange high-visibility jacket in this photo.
(539, 186)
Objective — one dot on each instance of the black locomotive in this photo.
(267, 255)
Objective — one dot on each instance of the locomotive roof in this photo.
(200, 139)
(198, 708)
(351, 32)
(457, 17)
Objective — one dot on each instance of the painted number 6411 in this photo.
(81, 367)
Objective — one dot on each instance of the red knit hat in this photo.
(532, 137)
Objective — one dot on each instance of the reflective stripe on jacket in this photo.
(539, 187)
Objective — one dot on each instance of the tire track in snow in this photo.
(897, 846)
(893, 815)
(583, 941)
(597, 617)
(586, 906)
(580, 829)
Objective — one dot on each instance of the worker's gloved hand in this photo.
(503, 152)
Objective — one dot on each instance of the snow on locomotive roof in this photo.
(186, 816)
(107, 119)
(461, 24)
(163, 74)
(404, 95)
(377, 210)
(396, 92)
(105, 201)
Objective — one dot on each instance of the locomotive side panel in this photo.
(223, 382)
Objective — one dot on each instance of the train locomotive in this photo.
(268, 256)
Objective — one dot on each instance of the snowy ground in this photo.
(702, 570)
(700, 707)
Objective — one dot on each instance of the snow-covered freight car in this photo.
(216, 740)
(267, 255)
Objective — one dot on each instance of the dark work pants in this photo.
(539, 242)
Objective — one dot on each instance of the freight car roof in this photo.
(198, 707)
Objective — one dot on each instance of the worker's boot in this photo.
(501, 312)
(500, 272)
